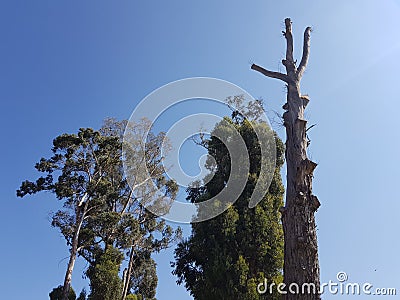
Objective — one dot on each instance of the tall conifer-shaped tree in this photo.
(228, 256)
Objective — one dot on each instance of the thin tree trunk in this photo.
(301, 264)
(128, 273)
(73, 252)
(68, 274)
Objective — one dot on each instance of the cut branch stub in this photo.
(306, 100)
(315, 204)
(309, 166)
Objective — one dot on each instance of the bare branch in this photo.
(127, 202)
(310, 127)
(306, 53)
(276, 120)
(289, 62)
(83, 199)
(271, 74)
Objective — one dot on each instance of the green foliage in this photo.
(56, 293)
(144, 282)
(134, 297)
(228, 256)
(105, 283)
(81, 173)
(125, 223)
(82, 295)
(103, 217)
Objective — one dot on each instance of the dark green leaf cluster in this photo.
(56, 294)
(105, 283)
(228, 256)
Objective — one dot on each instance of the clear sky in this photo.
(69, 64)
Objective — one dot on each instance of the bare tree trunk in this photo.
(68, 274)
(301, 250)
(128, 274)
(73, 253)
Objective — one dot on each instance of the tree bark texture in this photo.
(301, 250)
(73, 251)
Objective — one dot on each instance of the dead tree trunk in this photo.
(300, 251)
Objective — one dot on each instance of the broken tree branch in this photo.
(271, 74)
(306, 52)
(289, 62)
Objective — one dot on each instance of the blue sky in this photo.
(70, 64)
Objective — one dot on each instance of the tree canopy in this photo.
(103, 219)
(229, 255)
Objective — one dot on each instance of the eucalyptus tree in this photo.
(101, 212)
(78, 174)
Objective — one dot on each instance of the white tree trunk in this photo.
(128, 273)
(81, 211)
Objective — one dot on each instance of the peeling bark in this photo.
(301, 249)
